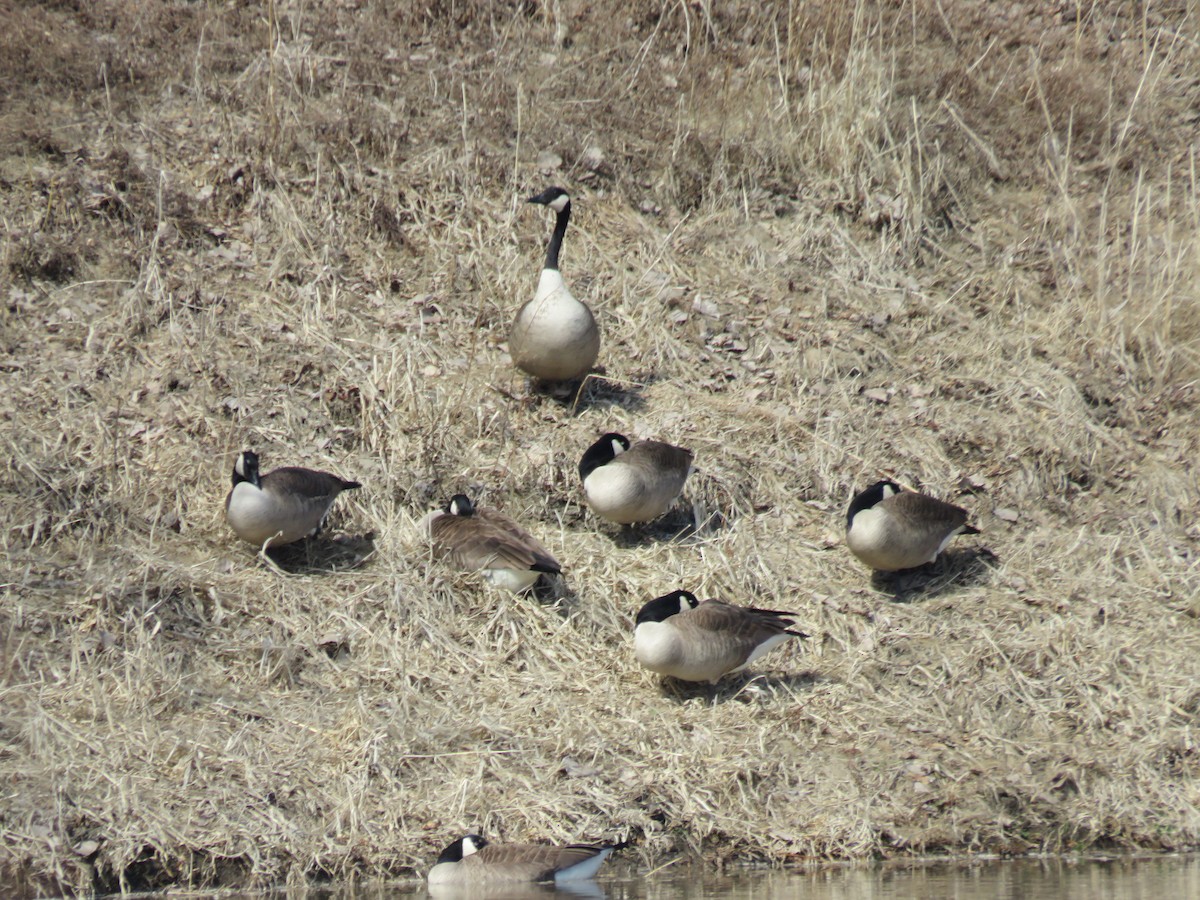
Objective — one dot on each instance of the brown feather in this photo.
(306, 482)
(925, 514)
(748, 622)
(291, 502)
(544, 859)
(489, 540)
(904, 530)
(659, 455)
(710, 640)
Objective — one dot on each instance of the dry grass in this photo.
(950, 242)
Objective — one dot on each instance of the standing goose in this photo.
(890, 529)
(483, 540)
(282, 506)
(554, 336)
(627, 484)
(679, 636)
(472, 861)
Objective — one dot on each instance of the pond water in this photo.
(1159, 878)
(1118, 878)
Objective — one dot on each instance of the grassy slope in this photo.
(952, 243)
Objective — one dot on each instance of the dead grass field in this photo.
(952, 242)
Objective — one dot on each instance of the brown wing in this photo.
(489, 540)
(531, 862)
(541, 560)
(573, 854)
(660, 455)
(926, 516)
(307, 483)
(741, 622)
(300, 499)
(719, 637)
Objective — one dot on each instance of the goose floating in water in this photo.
(472, 861)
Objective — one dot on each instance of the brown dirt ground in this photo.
(953, 242)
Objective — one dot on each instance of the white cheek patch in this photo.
(618, 448)
(468, 847)
(889, 491)
(559, 202)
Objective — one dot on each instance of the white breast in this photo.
(658, 647)
(554, 336)
(620, 493)
(256, 516)
(447, 874)
(874, 539)
(867, 531)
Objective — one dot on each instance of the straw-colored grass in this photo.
(953, 243)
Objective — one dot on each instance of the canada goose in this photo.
(637, 483)
(554, 337)
(282, 506)
(473, 861)
(890, 529)
(679, 636)
(488, 541)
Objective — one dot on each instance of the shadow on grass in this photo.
(744, 687)
(553, 591)
(598, 391)
(681, 524)
(323, 554)
(594, 391)
(953, 569)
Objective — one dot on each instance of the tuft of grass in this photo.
(942, 243)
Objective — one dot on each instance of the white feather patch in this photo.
(582, 870)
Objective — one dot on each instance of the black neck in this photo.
(597, 455)
(453, 853)
(249, 474)
(867, 499)
(556, 239)
(662, 608)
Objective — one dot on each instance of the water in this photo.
(1160, 878)
(1124, 878)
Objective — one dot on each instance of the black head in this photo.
(464, 846)
(602, 452)
(461, 505)
(876, 493)
(246, 468)
(662, 608)
(554, 197)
